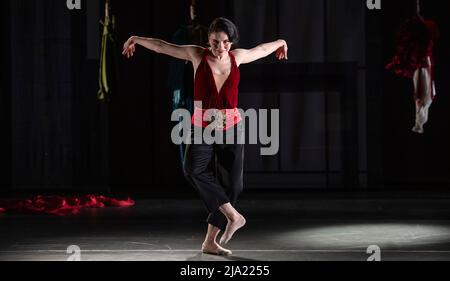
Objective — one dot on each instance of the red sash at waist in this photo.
(221, 119)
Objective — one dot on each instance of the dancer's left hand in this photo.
(281, 52)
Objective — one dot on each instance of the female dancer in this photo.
(216, 79)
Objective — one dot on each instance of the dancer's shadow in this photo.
(208, 257)
(237, 258)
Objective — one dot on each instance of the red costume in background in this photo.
(414, 59)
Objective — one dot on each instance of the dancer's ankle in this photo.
(209, 241)
(234, 217)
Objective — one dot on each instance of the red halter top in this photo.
(205, 90)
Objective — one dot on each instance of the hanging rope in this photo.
(107, 7)
(418, 10)
(107, 75)
(193, 14)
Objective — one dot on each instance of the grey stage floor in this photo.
(302, 227)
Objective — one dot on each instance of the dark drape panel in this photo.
(318, 32)
(42, 94)
(374, 74)
(346, 42)
(5, 99)
(57, 124)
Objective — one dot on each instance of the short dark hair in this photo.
(226, 26)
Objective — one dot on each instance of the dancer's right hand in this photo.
(129, 47)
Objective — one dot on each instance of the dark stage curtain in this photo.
(58, 128)
(318, 33)
(56, 135)
(5, 99)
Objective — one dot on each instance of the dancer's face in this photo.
(219, 43)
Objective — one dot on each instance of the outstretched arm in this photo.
(184, 52)
(263, 50)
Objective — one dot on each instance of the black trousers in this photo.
(216, 172)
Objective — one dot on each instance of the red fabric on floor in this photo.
(59, 205)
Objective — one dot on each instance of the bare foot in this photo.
(213, 248)
(231, 228)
